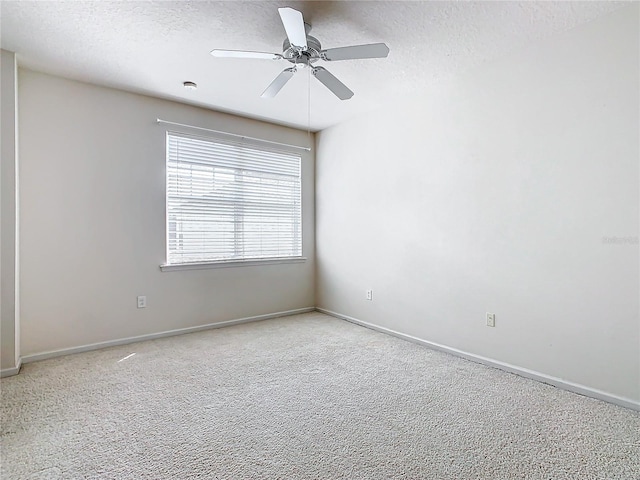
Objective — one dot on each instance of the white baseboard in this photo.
(9, 372)
(524, 372)
(152, 336)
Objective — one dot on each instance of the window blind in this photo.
(229, 202)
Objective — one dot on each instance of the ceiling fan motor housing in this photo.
(296, 56)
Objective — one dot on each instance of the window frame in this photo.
(226, 263)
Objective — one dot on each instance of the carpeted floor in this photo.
(307, 397)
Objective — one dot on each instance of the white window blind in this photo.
(229, 202)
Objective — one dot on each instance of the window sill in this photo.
(231, 263)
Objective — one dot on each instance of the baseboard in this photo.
(152, 336)
(524, 372)
(531, 374)
(9, 372)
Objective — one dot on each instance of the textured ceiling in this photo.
(152, 47)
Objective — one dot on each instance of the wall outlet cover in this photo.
(142, 301)
(491, 319)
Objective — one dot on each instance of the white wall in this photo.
(493, 192)
(93, 221)
(9, 277)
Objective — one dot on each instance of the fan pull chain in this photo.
(309, 67)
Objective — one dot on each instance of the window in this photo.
(230, 202)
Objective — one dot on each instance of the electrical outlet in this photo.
(142, 301)
(491, 319)
(369, 294)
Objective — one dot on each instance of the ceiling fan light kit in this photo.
(303, 51)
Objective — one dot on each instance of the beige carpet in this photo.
(308, 397)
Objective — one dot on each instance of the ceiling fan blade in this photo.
(244, 54)
(294, 26)
(372, 50)
(338, 88)
(279, 82)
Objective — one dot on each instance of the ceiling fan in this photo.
(303, 50)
